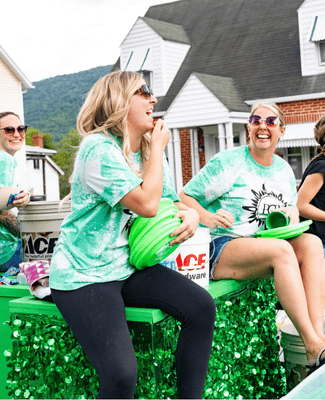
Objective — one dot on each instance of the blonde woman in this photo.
(121, 170)
(311, 194)
(232, 195)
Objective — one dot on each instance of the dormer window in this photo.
(317, 36)
(140, 60)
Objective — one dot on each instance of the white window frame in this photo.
(319, 53)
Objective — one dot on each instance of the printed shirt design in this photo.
(233, 181)
(93, 244)
(8, 242)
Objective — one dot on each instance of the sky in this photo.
(45, 38)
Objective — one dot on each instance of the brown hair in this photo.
(6, 113)
(319, 134)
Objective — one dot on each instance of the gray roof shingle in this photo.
(168, 31)
(225, 90)
(253, 42)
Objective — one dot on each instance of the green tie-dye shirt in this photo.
(234, 181)
(8, 242)
(93, 245)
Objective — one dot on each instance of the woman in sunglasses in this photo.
(311, 194)
(232, 194)
(12, 135)
(121, 171)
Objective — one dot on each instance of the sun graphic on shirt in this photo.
(262, 203)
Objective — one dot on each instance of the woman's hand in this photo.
(221, 218)
(186, 230)
(292, 213)
(22, 199)
(160, 134)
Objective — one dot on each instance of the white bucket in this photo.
(40, 223)
(191, 258)
(295, 358)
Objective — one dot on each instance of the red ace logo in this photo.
(191, 261)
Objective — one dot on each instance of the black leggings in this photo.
(96, 316)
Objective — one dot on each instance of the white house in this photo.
(13, 83)
(43, 173)
(208, 61)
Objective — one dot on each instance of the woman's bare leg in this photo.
(310, 255)
(250, 258)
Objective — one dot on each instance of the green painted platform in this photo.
(32, 305)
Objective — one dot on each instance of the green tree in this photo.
(66, 152)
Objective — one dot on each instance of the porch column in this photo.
(177, 160)
(229, 135)
(221, 134)
(170, 156)
(209, 146)
(242, 136)
(195, 151)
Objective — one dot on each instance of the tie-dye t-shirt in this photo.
(93, 244)
(234, 181)
(8, 242)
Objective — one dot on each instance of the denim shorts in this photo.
(216, 247)
(15, 260)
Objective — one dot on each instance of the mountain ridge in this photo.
(52, 107)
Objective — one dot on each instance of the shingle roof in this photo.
(254, 42)
(225, 90)
(168, 31)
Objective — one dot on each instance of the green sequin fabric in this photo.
(46, 362)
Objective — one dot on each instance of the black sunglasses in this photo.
(10, 130)
(271, 121)
(145, 91)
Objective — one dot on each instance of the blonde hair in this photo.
(319, 134)
(272, 106)
(106, 109)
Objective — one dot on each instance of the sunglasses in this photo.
(270, 121)
(145, 91)
(10, 130)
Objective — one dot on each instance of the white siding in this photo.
(167, 56)
(173, 56)
(10, 91)
(195, 106)
(142, 35)
(308, 50)
(52, 183)
(36, 180)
